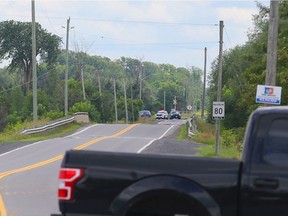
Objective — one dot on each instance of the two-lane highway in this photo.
(28, 175)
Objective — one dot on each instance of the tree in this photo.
(244, 67)
(15, 45)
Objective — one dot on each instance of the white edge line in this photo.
(82, 130)
(144, 147)
(32, 144)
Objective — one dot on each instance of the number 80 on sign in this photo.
(218, 110)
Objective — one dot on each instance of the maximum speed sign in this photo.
(218, 110)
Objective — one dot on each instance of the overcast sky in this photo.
(170, 32)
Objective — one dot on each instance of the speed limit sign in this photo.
(218, 110)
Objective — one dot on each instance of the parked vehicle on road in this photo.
(162, 114)
(174, 114)
(145, 114)
(110, 183)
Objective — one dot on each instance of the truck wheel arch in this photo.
(178, 185)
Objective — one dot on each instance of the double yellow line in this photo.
(51, 160)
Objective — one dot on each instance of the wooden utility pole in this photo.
(115, 101)
(204, 83)
(132, 104)
(272, 43)
(82, 81)
(164, 102)
(125, 101)
(219, 89)
(34, 72)
(66, 71)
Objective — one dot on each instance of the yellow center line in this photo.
(42, 163)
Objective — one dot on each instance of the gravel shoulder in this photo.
(170, 145)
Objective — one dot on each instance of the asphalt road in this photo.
(29, 171)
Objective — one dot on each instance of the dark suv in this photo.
(174, 114)
(145, 114)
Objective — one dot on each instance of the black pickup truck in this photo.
(105, 183)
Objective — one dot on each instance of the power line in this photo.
(125, 21)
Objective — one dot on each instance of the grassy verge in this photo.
(183, 135)
(10, 135)
(230, 141)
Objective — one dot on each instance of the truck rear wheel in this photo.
(166, 204)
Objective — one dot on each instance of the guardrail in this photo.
(53, 124)
(192, 126)
(48, 126)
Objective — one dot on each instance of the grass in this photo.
(146, 120)
(206, 135)
(10, 136)
(209, 151)
(205, 138)
(183, 135)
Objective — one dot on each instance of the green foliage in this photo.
(75, 92)
(244, 67)
(204, 138)
(17, 102)
(3, 117)
(205, 132)
(14, 118)
(230, 140)
(203, 126)
(53, 115)
(183, 134)
(133, 115)
(209, 151)
(15, 45)
(86, 106)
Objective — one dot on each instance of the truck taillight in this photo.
(68, 178)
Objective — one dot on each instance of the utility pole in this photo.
(219, 89)
(34, 72)
(204, 83)
(132, 104)
(164, 100)
(115, 101)
(125, 98)
(140, 77)
(175, 102)
(272, 43)
(82, 81)
(67, 68)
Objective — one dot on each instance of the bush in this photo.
(52, 115)
(229, 138)
(86, 106)
(233, 138)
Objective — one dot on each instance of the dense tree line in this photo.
(146, 85)
(138, 84)
(244, 67)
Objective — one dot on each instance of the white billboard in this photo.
(268, 94)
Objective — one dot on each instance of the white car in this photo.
(162, 114)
